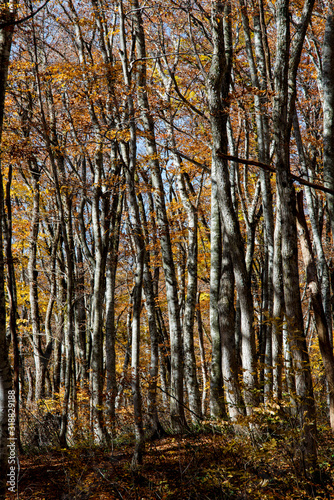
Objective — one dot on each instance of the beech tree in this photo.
(8, 13)
(287, 60)
(327, 79)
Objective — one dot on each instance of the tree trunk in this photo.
(36, 338)
(217, 407)
(233, 396)
(317, 305)
(278, 308)
(100, 214)
(176, 401)
(202, 353)
(217, 86)
(80, 320)
(12, 299)
(328, 108)
(154, 428)
(110, 308)
(282, 122)
(7, 14)
(259, 77)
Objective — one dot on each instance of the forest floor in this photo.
(211, 464)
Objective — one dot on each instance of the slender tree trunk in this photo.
(135, 384)
(160, 328)
(100, 212)
(127, 358)
(154, 428)
(217, 407)
(187, 294)
(311, 196)
(190, 305)
(69, 376)
(12, 299)
(278, 309)
(218, 79)
(136, 296)
(41, 356)
(290, 379)
(80, 320)
(202, 353)
(33, 286)
(257, 65)
(129, 156)
(110, 307)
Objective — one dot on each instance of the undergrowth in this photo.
(210, 462)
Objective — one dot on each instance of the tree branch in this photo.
(26, 18)
(268, 168)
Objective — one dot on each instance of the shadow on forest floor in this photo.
(204, 466)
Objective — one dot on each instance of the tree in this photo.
(217, 87)
(328, 107)
(285, 90)
(7, 15)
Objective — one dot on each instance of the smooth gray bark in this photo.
(190, 374)
(204, 365)
(8, 12)
(278, 308)
(129, 158)
(328, 108)
(232, 388)
(176, 390)
(217, 86)
(154, 428)
(287, 60)
(110, 328)
(217, 407)
(36, 338)
(317, 305)
(258, 71)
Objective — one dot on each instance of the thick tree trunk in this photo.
(7, 14)
(36, 338)
(233, 396)
(258, 71)
(101, 228)
(282, 121)
(317, 305)
(328, 108)
(217, 86)
(204, 365)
